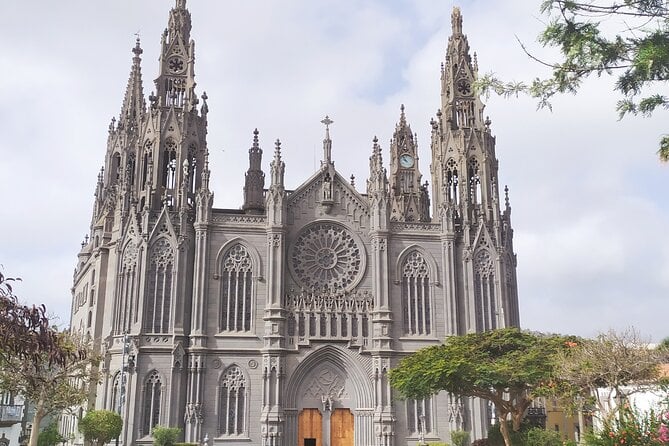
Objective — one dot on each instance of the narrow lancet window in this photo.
(237, 290)
(416, 295)
(232, 391)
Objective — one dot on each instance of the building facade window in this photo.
(236, 290)
(419, 417)
(232, 397)
(159, 287)
(484, 291)
(153, 389)
(416, 295)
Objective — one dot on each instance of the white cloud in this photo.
(588, 195)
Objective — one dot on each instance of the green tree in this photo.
(505, 366)
(101, 426)
(165, 436)
(637, 53)
(50, 436)
(51, 386)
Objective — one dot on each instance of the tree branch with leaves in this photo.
(636, 53)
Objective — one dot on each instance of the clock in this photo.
(406, 160)
(175, 64)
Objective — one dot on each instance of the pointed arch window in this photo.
(484, 291)
(126, 289)
(416, 295)
(116, 168)
(474, 181)
(170, 164)
(115, 400)
(193, 171)
(232, 402)
(419, 416)
(236, 290)
(153, 390)
(452, 181)
(159, 287)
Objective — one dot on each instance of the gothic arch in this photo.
(251, 250)
(232, 407)
(417, 276)
(431, 263)
(237, 266)
(337, 360)
(153, 401)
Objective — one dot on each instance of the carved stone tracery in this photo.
(327, 256)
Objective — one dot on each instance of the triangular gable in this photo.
(132, 228)
(163, 226)
(171, 126)
(483, 240)
(342, 202)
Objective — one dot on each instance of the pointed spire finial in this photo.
(277, 150)
(137, 50)
(181, 4)
(256, 144)
(327, 142)
(456, 21)
(403, 118)
(506, 196)
(327, 121)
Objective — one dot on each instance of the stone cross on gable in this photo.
(327, 142)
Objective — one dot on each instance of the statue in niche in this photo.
(327, 188)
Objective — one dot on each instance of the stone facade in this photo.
(276, 324)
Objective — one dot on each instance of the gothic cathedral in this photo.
(276, 324)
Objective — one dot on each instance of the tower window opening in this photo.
(474, 181)
(130, 166)
(116, 168)
(170, 164)
(192, 174)
(452, 181)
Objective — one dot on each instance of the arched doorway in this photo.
(329, 401)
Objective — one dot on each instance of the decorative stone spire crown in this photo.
(254, 182)
(134, 105)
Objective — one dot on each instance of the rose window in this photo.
(327, 256)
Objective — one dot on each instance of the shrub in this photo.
(101, 426)
(165, 436)
(537, 436)
(630, 428)
(50, 436)
(460, 438)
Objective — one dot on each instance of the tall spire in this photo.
(134, 105)
(254, 182)
(460, 106)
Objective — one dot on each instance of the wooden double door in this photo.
(310, 428)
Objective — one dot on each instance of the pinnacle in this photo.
(137, 50)
(456, 21)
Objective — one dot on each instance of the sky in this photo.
(588, 193)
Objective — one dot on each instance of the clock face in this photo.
(175, 64)
(406, 160)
